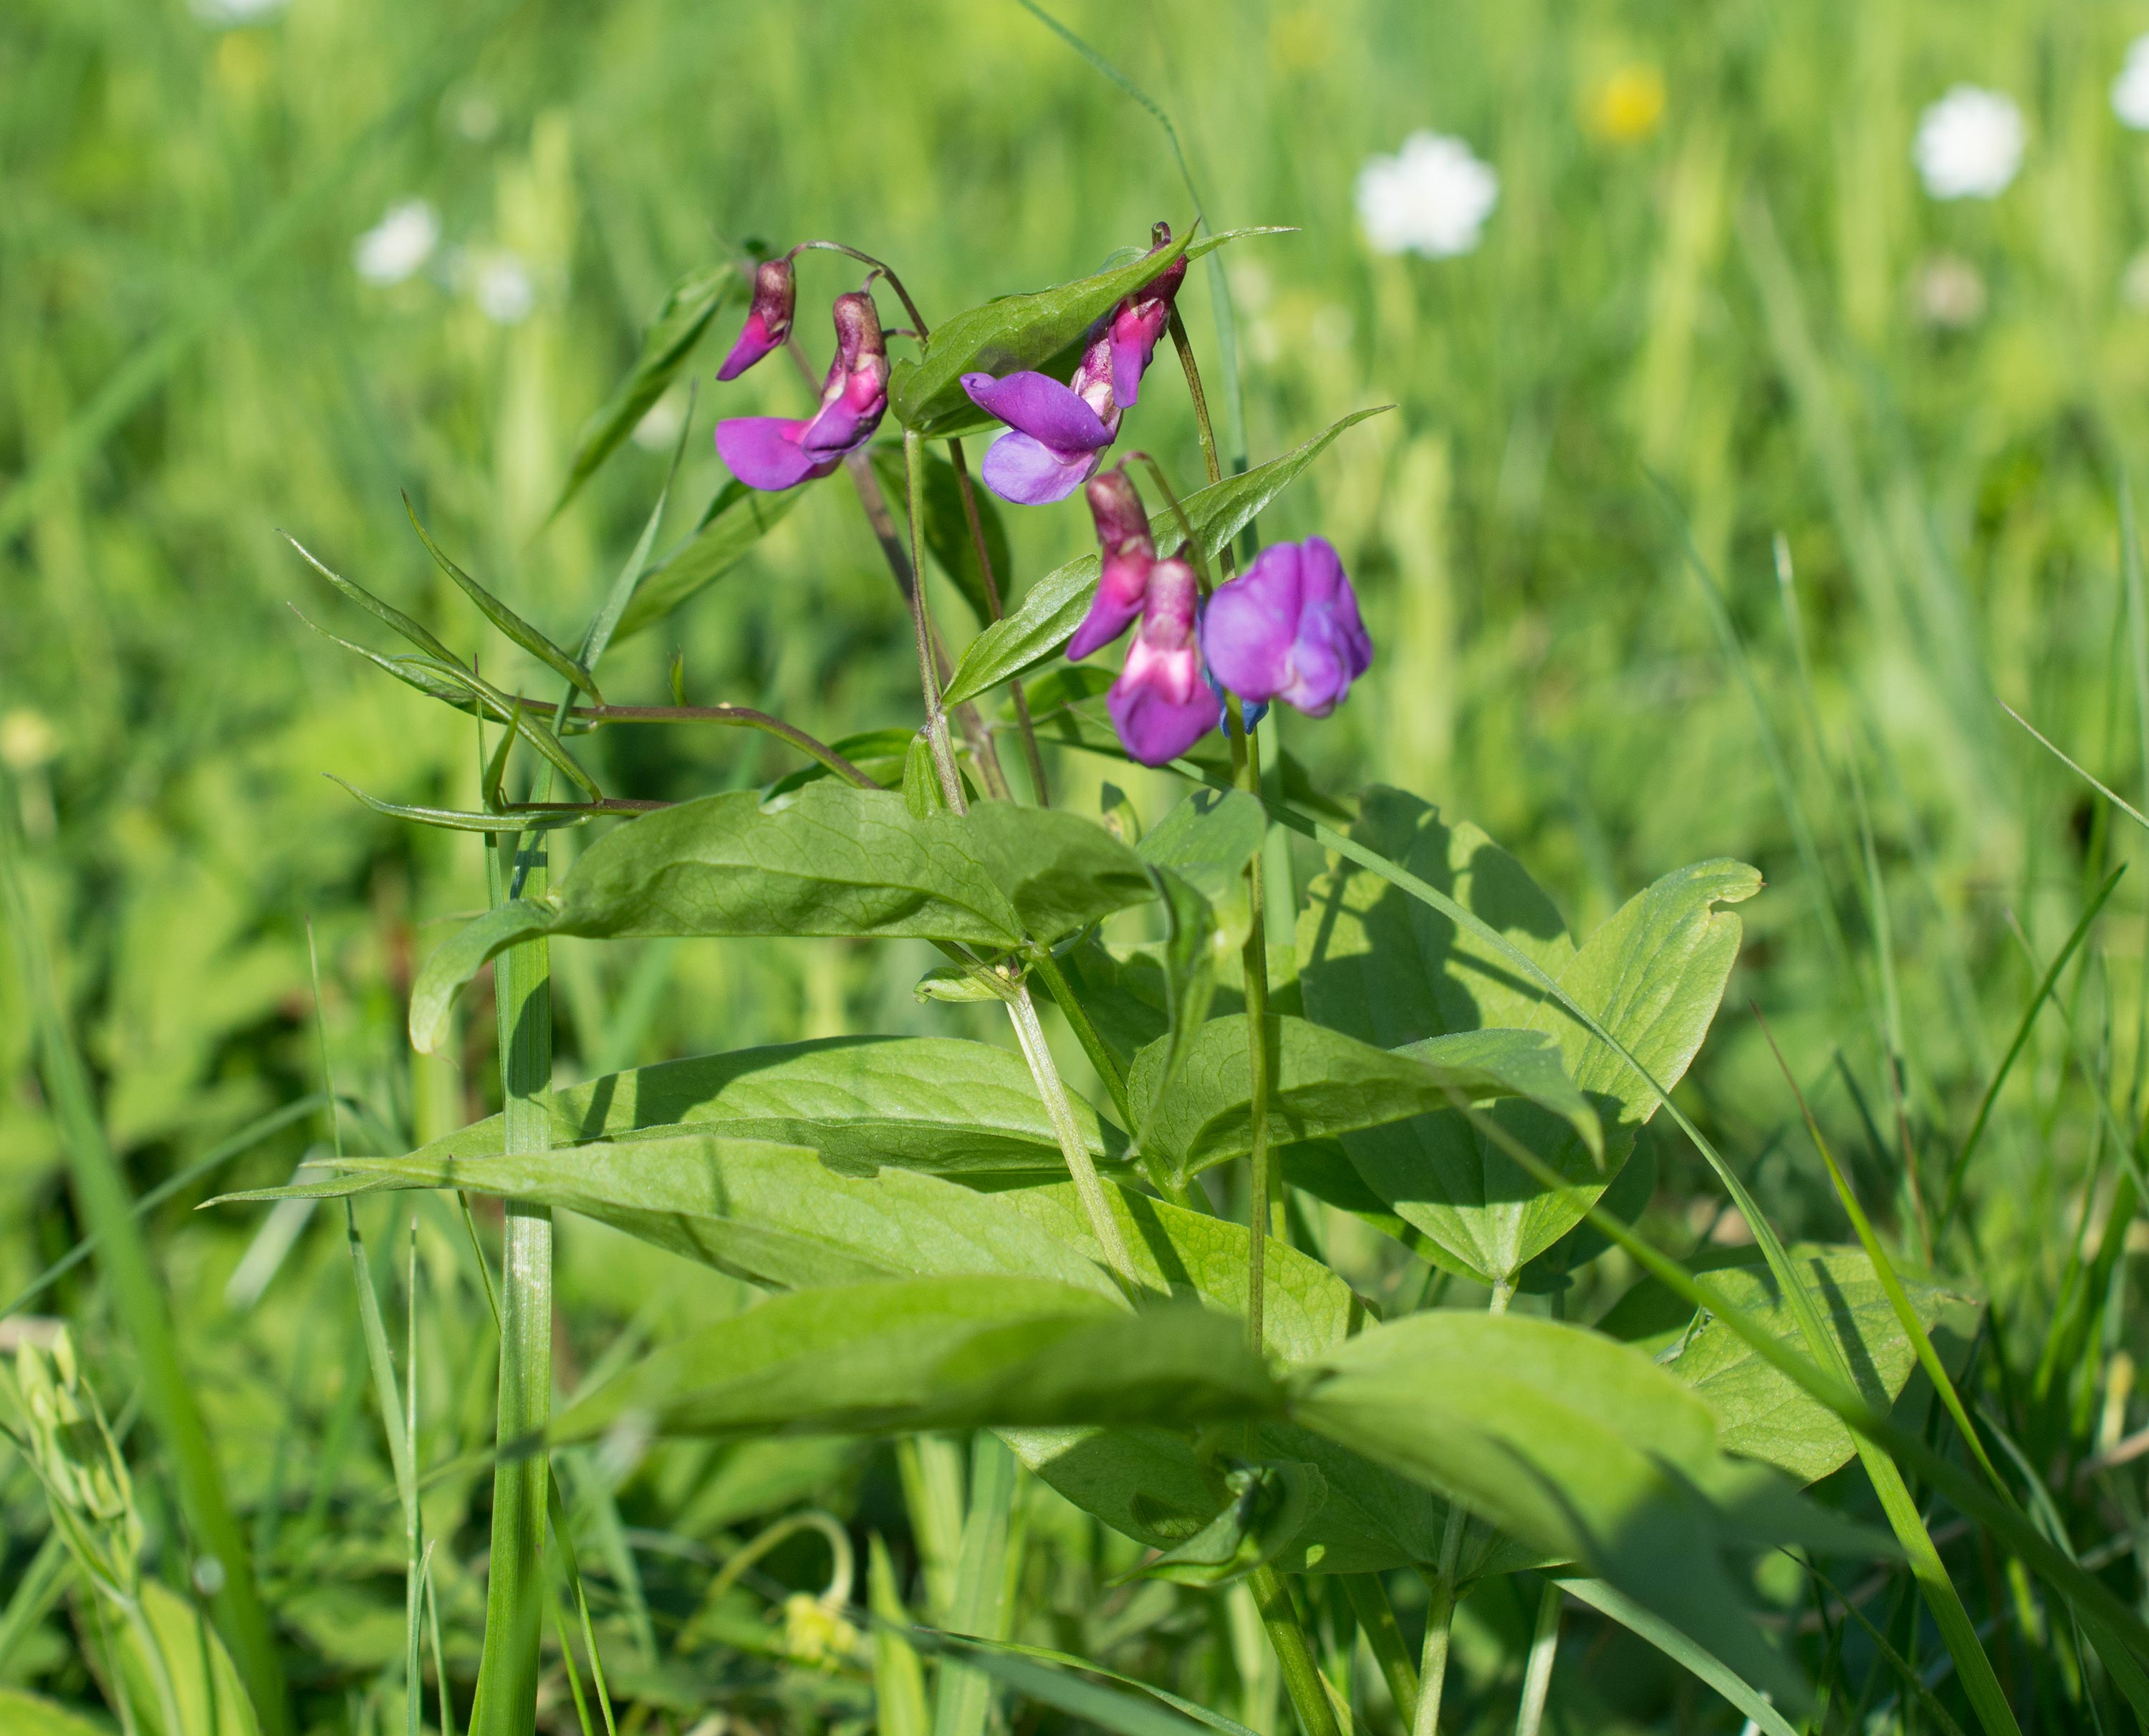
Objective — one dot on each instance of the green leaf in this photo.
(947, 530)
(834, 861)
(1150, 1484)
(1207, 840)
(510, 623)
(981, 1601)
(666, 345)
(409, 628)
(1326, 1084)
(1267, 1505)
(771, 1214)
(458, 819)
(1007, 335)
(1188, 961)
(942, 1105)
(737, 519)
(1053, 607)
(28, 1715)
(1763, 1415)
(1190, 1254)
(1578, 1445)
(879, 753)
(934, 1353)
(211, 1699)
(1391, 969)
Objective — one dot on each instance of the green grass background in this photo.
(1714, 330)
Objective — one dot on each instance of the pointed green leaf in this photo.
(510, 623)
(1326, 1084)
(1577, 1445)
(833, 861)
(1053, 607)
(1005, 336)
(666, 345)
(1389, 968)
(1758, 1411)
(935, 1353)
(458, 819)
(735, 519)
(771, 1214)
(1269, 1504)
(938, 1104)
(1207, 840)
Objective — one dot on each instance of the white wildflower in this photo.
(398, 244)
(223, 14)
(2130, 90)
(505, 293)
(1970, 144)
(1431, 197)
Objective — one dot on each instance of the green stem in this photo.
(1086, 1034)
(1302, 1676)
(1031, 755)
(1439, 1623)
(1544, 1649)
(1193, 372)
(936, 717)
(1246, 773)
(1104, 1224)
(515, 1591)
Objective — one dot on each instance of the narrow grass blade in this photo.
(1022, 1667)
(899, 1677)
(979, 1607)
(1384, 1635)
(1761, 1716)
(1960, 1166)
(138, 1298)
(237, 1146)
(562, 1539)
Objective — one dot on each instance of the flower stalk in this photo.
(1260, 1182)
(936, 715)
(1032, 756)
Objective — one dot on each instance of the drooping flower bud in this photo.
(1160, 705)
(767, 321)
(1288, 628)
(1138, 321)
(1129, 554)
(778, 452)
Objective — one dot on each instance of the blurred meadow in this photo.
(1734, 482)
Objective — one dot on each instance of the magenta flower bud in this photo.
(767, 321)
(1160, 705)
(1138, 321)
(1288, 628)
(1122, 534)
(776, 452)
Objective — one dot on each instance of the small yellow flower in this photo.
(814, 1633)
(1627, 105)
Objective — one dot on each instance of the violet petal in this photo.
(763, 451)
(1029, 473)
(1038, 405)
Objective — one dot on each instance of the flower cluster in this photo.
(779, 452)
(1056, 433)
(1287, 628)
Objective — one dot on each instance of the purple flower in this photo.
(776, 452)
(1129, 555)
(767, 321)
(1288, 628)
(1056, 433)
(1161, 704)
